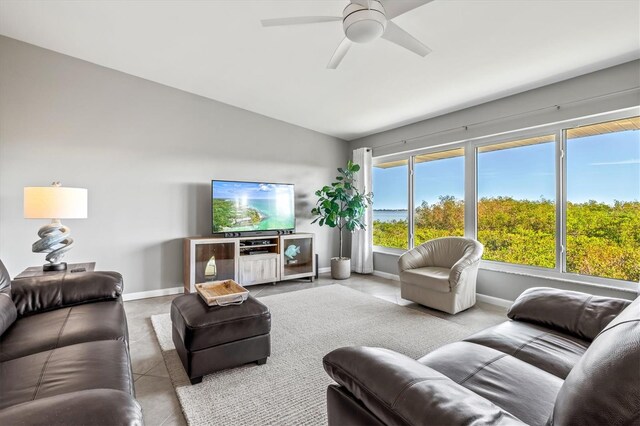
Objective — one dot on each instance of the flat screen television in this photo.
(252, 208)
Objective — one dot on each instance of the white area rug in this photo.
(306, 325)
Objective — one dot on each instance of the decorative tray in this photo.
(222, 293)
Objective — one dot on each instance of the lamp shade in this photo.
(55, 202)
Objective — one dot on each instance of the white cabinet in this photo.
(258, 269)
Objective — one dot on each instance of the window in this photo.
(516, 201)
(563, 201)
(603, 200)
(438, 195)
(390, 201)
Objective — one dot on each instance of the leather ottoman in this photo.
(209, 339)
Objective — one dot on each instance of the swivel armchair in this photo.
(441, 273)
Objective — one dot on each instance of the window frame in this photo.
(471, 146)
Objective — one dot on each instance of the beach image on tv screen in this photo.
(252, 206)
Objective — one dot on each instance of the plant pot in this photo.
(340, 268)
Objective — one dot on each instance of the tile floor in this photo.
(153, 386)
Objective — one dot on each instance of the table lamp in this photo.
(54, 202)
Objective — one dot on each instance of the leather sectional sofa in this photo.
(564, 358)
(64, 356)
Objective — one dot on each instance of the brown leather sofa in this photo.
(564, 358)
(64, 356)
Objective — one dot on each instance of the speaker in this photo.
(317, 268)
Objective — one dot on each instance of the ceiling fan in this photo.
(363, 21)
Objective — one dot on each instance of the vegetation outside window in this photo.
(516, 201)
(390, 201)
(438, 195)
(603, 200)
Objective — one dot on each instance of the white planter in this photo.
(340, 268)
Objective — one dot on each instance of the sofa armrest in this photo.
(580, 314)
(90, 407)
(38, 294)
(400, 390)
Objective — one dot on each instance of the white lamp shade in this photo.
(55, 202)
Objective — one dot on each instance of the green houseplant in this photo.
(340, 205)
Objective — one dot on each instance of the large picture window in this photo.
(438, 194)
(603, 200)
(563, 201)
(516, 201)
(390, 201)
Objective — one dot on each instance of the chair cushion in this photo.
(517, 387)
(91, 365)
(64, 327)
(550, 350)
(5, 280)
(603, 386)
(429, 277)
(201, 326)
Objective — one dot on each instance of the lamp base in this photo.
(48, 267)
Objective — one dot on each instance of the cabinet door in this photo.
(297, 256)
(214, 261)
(257, 269)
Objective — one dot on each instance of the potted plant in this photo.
(340, 205)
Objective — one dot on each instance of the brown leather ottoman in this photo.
(209, 339)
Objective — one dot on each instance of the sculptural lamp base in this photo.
(47, 267)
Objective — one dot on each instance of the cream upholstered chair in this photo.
(441, 273)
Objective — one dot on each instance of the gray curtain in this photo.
(362, 240)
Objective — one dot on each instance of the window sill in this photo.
(388, 250)
(534, 272)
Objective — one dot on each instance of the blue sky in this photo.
(602, 168)
(228, 189)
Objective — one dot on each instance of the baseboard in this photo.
(494, 300)
(324, 270)
(386, 275)
(152, 293)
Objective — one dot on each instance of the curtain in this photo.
(362, 240)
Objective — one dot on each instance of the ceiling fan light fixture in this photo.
(364, 24)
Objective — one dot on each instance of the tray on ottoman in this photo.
(212, 338)
(222, 293)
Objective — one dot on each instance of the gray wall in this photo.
(146, 153)
(599, 92)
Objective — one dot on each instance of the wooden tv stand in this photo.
(248, 260)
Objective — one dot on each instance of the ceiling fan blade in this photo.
(299, 20)
(397, 35)
(342, 50)
(395, 8)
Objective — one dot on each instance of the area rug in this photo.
(306, 325)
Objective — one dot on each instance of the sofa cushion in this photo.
(603, 387)
(428, 277)
(517, 387)
(550, 350)
(91, 365)
(8, 314)
(64, 327)
(581, 314)
(5, 280)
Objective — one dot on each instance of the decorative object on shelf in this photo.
(211, 271)
(54, 202)
(340, 205)
(291, 252)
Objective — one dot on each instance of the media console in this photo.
(248, 260)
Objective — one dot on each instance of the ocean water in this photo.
(389, 215)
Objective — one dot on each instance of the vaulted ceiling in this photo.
(482, 50)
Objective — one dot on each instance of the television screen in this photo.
(252, 206)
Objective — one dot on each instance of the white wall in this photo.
(146, 153)
(595, 93)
